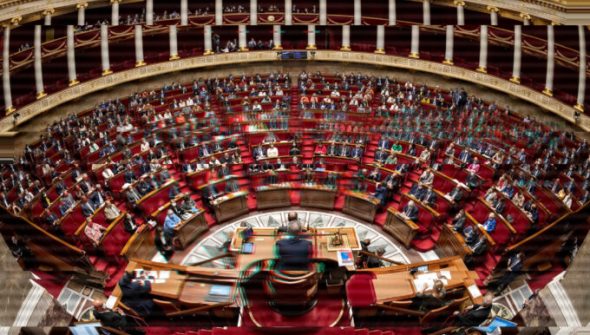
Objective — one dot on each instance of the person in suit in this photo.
(490, 224)
(410, 211)
(294, 253)
(513, 268)
(163, 243)
(429, 197)
(427, 300)
(455, 195)
(459, 220)
(129, 223)
(171, 220)
(381, 193)
(135, 293)
(113, 318)
(476, 314)
(375, 262)
(87, 207)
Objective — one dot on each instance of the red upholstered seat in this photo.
(115, 239)
(71, 222)
(360, 291)
(156, 200)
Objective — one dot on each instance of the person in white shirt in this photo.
(272, 152)
(111, 211)
(145, 145)
(107, 173)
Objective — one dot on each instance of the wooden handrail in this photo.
(199, 309)
(370, 254)
(228, 254)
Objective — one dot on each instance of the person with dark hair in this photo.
(376, 262)
(294, 253)
(113, 318)
(135, 293)
(164, 243)
(476, 314)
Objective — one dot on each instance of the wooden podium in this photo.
(230, 205)
(318, 197)
(187, 231)
(273, 196)
(403, 230)
(360, 205)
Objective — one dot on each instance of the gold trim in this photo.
(208, 52)
(243, 49)
(579, 108)
(481, 69)
(345, 48)
(415, 55)
(548, 92)
(459, 3)
(73, 82)
(380, 51)
(311, 47)
(277, 47)
(448, 61)
(107, 72)
(515, 80)
(174, 57)
(139, 63)
(10, 110)
(41, 95)
(492, 9)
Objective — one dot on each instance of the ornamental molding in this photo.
(51, 101)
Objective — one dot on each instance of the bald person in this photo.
(294, 252)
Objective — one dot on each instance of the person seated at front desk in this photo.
(375, 261)
(294, 252)
(429, 299)
(475, 315)
(490, 224)
(381, 193)
(170, 222)
(113, 318)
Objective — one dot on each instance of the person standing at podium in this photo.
(293, 252)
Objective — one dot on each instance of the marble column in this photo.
(242, 39)
(380, 43)
(6, 71)
(38, 61)
(311, 37)
(517, 54)
(47, 14)
(82, 13)
(183, 12)
(345, 38)
(582, 70)
(276, 37)
(483, 49)
(104, 50)
(460, 12)
(449, 45)
(218, 12)
(115, 12)
(550, 61)
(253, 12)
(358, 13)
(149, 12)
(288, 12)
(323, 12)
(208, 43)
(493, 15)
(426, 12)
(139, 61)
(173, 42)
(71, 55)
(415, 46)
(392, 16)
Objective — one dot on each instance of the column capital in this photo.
(448, 62)
(117, 1)
(492, 9)
(15, 21)
(481, 69)
(525, 16)
(459, 3)
(515, 80)
(548, 92)
(579, 108)
(48, 11)
(82, 5)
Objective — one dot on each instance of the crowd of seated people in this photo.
(436, 148)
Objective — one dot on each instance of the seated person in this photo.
(129, 223)
(474, 166)
(455, 195)
(425, 156)
(320, 149)
(357, 152)
(490, 224)
(375, 262)
(417, 191)
(381, 193)
(426, 178)
(375, 175)
(188, 204)
(294, 252)
(458, 220)
(94, 231)
(435, 298)
(294, 151)
(111, 318)
(111, 211)
(429, 197)
(410, 211)
(171, 221)
(475, 315)
(472, 181)
(272, 152)
(135, 293)
(391, 160)
(163, 243)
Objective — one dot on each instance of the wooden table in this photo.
(396, 283)
(404, 230)
(360, 205)
(230, 205)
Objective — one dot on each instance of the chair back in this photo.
(292, 289)
(439, 315)
(166, 306)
